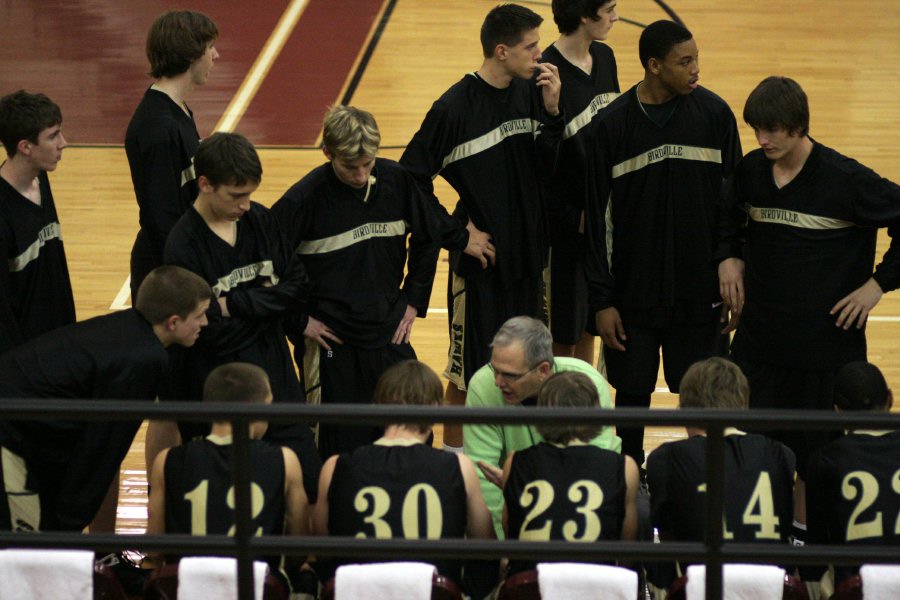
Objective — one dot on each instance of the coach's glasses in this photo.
(511, 377)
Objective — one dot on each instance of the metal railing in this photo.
(713, 552)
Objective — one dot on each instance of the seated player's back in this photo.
(574, 493)
(853, 492)
(758, 487)
(407, 491)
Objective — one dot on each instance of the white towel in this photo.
(739, 582)
(206, 577)
(880, 582)
(384, 581)
(46, 574)
(578, 581)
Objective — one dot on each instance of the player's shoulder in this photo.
(601, 51)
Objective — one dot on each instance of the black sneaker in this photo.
(126, 566)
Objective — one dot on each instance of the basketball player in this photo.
(660, 153)
(400, 486)
(349, 221)
(852, 486)
(491, 136)
(56, 473)
(35, 292)
(589, 493)
(236, 246)
(587, 70)
(191, 486)
(162, 137)
(759, 472)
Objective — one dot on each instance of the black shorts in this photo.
(779, 387)
(347, 374)
(635, 370)
(477, 308)
(566, 285)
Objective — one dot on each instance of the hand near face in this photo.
(548, 81)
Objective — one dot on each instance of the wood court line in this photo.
(261, 67)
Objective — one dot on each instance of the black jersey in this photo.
(582, 98)
(853, 492)
(263, 284)
(200, 490)
(413, 492)
(806, 246)
(574, 493)
(160, 144)
(115, 356)
(35, 292)
(491, 145)
(651, 218)
(352, 243)
(759, 483)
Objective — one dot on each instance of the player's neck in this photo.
(651, 91)
(226, 229)
(399, 432)
(20, 173)
(793, 161)
(177, 88)
(493, 73)
(576, 48)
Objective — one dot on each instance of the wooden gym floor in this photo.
(283, 61)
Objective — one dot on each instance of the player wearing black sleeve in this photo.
(191, 486)
(589, 78)
(35, 292)
(162, 137)
(803, 220)
(759, 472)
(236, 246)
(853, 485)
(587, 493)
(492, 136)
(399, 486)
(349, 221)
(661, 151)
(56, 473)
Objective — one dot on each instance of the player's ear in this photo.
(24, 147)
(653, 65)
(501, 51)
(327, 153)
(205, 184)
(171, 322)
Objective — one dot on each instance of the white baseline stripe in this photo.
(261, 67)
(121, 299)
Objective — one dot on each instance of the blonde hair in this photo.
(409, 383)
(350, 133)
(714, 383)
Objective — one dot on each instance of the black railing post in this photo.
(243, 522)
(715, 509)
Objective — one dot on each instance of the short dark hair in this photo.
(227, 159)
(506, 24)
(24, 116)
(776, 103)
(860, 385)
(176, 39)
(237, 382)
(569, 389)
(658, 39)
(567, 13)
(714, 383)
(170, 290)
(409, 383)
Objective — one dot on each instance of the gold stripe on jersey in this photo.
(599, 102)
(356, 235)
(491, 139)
(188, 174)
(50, 231)
(263, 268)
(794, 219)
(24, 504)
(664, 152)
